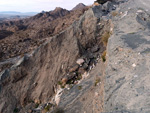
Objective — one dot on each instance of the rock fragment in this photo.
(80, 61)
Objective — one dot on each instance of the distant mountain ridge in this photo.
(79, 6)
(17, 13)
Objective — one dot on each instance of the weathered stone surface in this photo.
(127, 73)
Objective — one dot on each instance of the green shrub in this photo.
(16, 110)
(79, 87)
(47, 108)
(61, 84)
(36, 105)
(79, 77)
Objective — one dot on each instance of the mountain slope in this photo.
(35, 77)
(79, 6)
(25, 35)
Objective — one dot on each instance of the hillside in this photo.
(97, 64)
(23, 36)
(35, 78)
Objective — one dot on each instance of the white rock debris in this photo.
(133, 65)
(58, 95)
(139, 11)
(80, 61)
(125, 14)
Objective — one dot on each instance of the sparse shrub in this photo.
(114, 13)
(79, 87)
(104, 56)
(36, 105)
(105, 38)
(97, 81)
(47, 108)
(70, 82)
(79, 77)
(16, 110)
(61, 84)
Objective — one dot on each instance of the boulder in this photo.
(64, 80)
(80, 61)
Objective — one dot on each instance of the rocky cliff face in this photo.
(34, 79)
(98, 64)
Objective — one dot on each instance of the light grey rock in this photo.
(44, 65)
(4, 74)
(125, 92)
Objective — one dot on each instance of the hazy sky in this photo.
(39, 5)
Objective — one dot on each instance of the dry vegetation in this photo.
(105, 38)
(114, 13)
